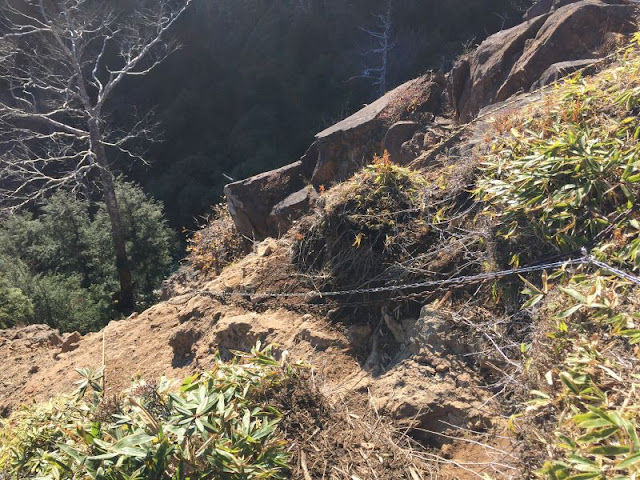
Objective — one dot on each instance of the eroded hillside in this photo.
(433, 351)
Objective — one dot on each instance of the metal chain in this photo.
(451, 282)
(440, 284)
(616, 271)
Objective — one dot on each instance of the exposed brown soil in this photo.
(392, 396)
(366, 406)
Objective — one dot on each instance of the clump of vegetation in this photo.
(61, 258)
(15, 306)
(567, 175)
(387, 225)
(217, 244)
(216, 424)
(583, 367)
(365, 223)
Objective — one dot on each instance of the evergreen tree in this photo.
(62, 261)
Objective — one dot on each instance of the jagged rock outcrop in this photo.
(345, 147)
(513, 60)
(559, 37)
(262, 206)
(265, 205)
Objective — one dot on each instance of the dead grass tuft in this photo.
(217, 243)
(331, 442)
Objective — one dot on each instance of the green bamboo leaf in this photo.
(609, 450)
(131, 452)
(570, 311)
(574, 294)
(597, 435)
(134, 440)
(533, 301)
(629, 462)
(568, 382)
(602, 414)
(584, 476)
(631, 429)
(583, 464)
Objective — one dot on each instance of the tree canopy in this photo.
(57, 265)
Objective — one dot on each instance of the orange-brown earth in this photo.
(425, 390)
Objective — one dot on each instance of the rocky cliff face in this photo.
(266, 204)
(556, 38)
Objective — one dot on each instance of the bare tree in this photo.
(381, 36)
(61, 62)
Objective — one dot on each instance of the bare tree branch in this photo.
(61, 62)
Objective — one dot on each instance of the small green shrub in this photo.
(15, 307)
(570, 169)
(216, 424)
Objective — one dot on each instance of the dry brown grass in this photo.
(328, 441)
(217, 243)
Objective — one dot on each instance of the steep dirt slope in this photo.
(435, 393)
(427, 364)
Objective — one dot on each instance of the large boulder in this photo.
(345, 147)
(511, 61)
(266, 205)
(257, 203)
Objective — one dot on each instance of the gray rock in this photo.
(291, 208)
(251, 201)
(475, 80)
(396, 136)
(513, 60)
(559, 70)
(345, 147)
(266, 205)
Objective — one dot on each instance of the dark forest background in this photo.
(256, 79)
(251, 85)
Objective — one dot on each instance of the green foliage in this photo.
(570, 169)
(61, 302)
(216, 424)
(62, 259)
(562, 176)
(150, 241)
(596, 398)
(15, 307)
